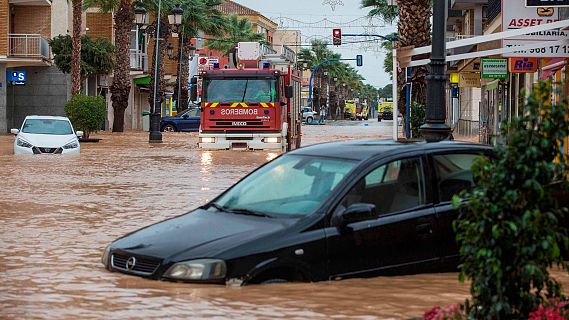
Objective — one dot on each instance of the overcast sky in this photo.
(316, 19)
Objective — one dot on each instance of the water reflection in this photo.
(58, 213)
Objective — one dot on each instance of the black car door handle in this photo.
(424, 228)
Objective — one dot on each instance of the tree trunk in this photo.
(184, 75)
(76, 48)
(161, 84)
(120, 89)
(414, 28)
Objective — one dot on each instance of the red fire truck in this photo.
(255, 106)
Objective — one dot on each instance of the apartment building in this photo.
(29, 82)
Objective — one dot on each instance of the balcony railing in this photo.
(27, 46)
(138, 60)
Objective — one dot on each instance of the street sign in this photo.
(523, 65)
(469, 80)
(519, 16)
(17, 77)
(494, 68)
(547, 3)
(359, 60)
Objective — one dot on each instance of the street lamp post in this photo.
(435, 128)
(175, 19)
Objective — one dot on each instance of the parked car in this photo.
(46, 135)
(334, 210)
(308, 114)
(188, 120)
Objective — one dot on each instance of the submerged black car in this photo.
(328, 211)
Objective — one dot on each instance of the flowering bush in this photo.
(452, 312)
(554, 310)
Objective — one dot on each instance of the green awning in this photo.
(142, 81)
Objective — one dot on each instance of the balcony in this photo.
(138, 60)
(27, 46)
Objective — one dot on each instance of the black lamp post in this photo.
(160, 31)
(435, 128)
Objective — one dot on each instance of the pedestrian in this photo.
(322, 114)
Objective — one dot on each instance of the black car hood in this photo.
(198, 234)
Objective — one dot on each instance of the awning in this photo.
(142, 81)
(552, 67)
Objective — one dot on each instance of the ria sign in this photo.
(547, 3)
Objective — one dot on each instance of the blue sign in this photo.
(17, 77)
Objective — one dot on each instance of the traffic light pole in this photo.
(314, 71)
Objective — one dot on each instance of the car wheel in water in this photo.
(169, 128)
(271, 281)
(309, 119)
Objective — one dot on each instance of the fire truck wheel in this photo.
(169, 128)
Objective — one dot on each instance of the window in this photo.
(47, 126)
(241, 90)
(392, 187)
(454, 174)
(290, 185)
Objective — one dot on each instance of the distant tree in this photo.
(97, 57)
(237, 30)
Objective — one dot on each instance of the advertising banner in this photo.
(494, 68)
(523, 65)
(517, 16)
(547, 3)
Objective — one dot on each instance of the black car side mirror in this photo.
(193, 89)
(289, 93)
(355, 213)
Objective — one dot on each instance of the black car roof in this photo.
(369, 148)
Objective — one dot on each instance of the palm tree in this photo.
(76, 45)
(413, 29)
(120, 89)
(237, 30)
(198, 15)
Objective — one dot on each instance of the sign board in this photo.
(469, 80)
(519, 16)
(17, 77)
(454, 77)
(359, 60)
(523, 65)
(494, 68)
(547, 3)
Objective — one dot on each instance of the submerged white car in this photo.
(46, 135)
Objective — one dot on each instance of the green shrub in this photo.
(511, 230)
(417, 119)
(87, 113)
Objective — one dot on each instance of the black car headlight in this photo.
(71, 145)
(23, 143)
(201, 269)
(105, 256)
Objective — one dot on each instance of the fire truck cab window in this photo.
(241, 90)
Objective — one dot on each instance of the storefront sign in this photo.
(523, 65)
(547, 3)
(17, 77)
(469, 80)
(454, 78)
(516, 16)
(494, 68)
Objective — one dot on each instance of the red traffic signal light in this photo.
(337, 37)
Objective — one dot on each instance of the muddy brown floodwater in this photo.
(57, 214)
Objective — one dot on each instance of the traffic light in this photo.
(337, 37)
(359, 60)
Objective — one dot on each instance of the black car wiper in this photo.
(249, 212)
(218, 207)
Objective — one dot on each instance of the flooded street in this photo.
(58, 213)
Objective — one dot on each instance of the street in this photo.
(58, 213)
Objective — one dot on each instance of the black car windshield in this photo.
(290, 185)
(47, 126)
(241, 90)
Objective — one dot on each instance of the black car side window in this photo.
(454, 174)
(392, 187)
